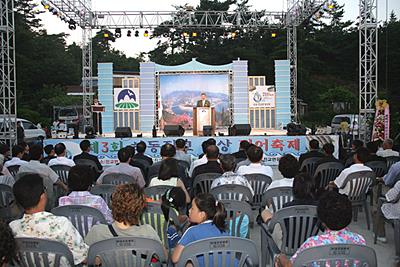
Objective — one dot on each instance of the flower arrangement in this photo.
(381, 120)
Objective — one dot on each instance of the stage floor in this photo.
(254, 132)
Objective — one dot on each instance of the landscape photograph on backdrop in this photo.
(178, 95)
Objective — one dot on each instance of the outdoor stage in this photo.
(274, 146)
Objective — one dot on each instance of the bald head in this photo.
(212, 152)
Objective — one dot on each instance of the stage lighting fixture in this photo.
(129, 34)
(273, 35)
(118, 33)
(136, 33)
(146, 33)
(233, 35)
(185, 34)
(72, 24)
(194, 34)
(106, 35)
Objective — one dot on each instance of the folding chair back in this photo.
(118, 178)
(13, 170)
(239, 217)
(259, 182)
(126, 252)
(379, 167)
(337, 255)
(43, 253)
(391, 160)
(154, 216)
(232, 192)
(82, 217)
(309, 165)
(6, 201)
(327, 172)
(105, 191)
(156, 192)
(277, 196)
(62, 172)
(202, 182)
(220, 251)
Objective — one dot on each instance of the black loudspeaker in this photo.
(240, 129)
(207, 130)
(121, 132)
(295, 129)
(174, 130)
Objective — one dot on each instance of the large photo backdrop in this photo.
(179, 94)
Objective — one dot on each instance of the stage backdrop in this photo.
(274, 146)
(180, 93)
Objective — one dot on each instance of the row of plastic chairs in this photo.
(221, 251)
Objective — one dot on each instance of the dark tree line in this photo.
(327, 59)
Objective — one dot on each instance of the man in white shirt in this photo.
(17, 154)
(124, 157)
(387, 149)
(61, 151)
(228, 163)
(289, 167)
(255, 155)
(181, 154)
(30, 193)
(203, 159)
(359, 158)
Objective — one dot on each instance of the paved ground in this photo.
(385, 252)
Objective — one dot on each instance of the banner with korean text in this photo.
(274, 147)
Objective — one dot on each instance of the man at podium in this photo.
(203, 102)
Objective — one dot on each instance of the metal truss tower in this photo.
(87, 70)
(8, 97)
(368, 66)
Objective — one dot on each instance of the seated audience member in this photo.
(5, 151)
(127, 205)
(174, 200)
(85, 147)
(328, 149)
(124, 158)
(255, 155)
(372, 148)
(209, 142)
(241, 154)
(48, 175)
(228, 164)
(389, 210)
(30, 193)
(335, 213)
(288, 167)
(393, 175)
(51, 154)
(168, 151)
(138, 163)
(5, 176)
(212, 165)
(181, 153)
(209, 216)
(313, 153)
(387, 149)
(203, 159)
(8, 246)
(355, 144)
(79, 183)
(61, 158)
(140, 150)
(17, 154)
(25, 145)
(359, 158)
(303, 194)
(168, 175)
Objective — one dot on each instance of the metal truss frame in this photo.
(368, 66)
(8, 97)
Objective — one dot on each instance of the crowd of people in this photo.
(198, 216)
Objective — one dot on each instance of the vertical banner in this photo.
(381, 128)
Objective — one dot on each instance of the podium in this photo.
(97, 110)
(203, 116)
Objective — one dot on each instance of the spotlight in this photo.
(106, 35)
(185, 34)
(273, 35)
(129, 34)
(118, 33)
(194, 34)
(72, 24)
(233, 35)
(136, 33)
(146, 33)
